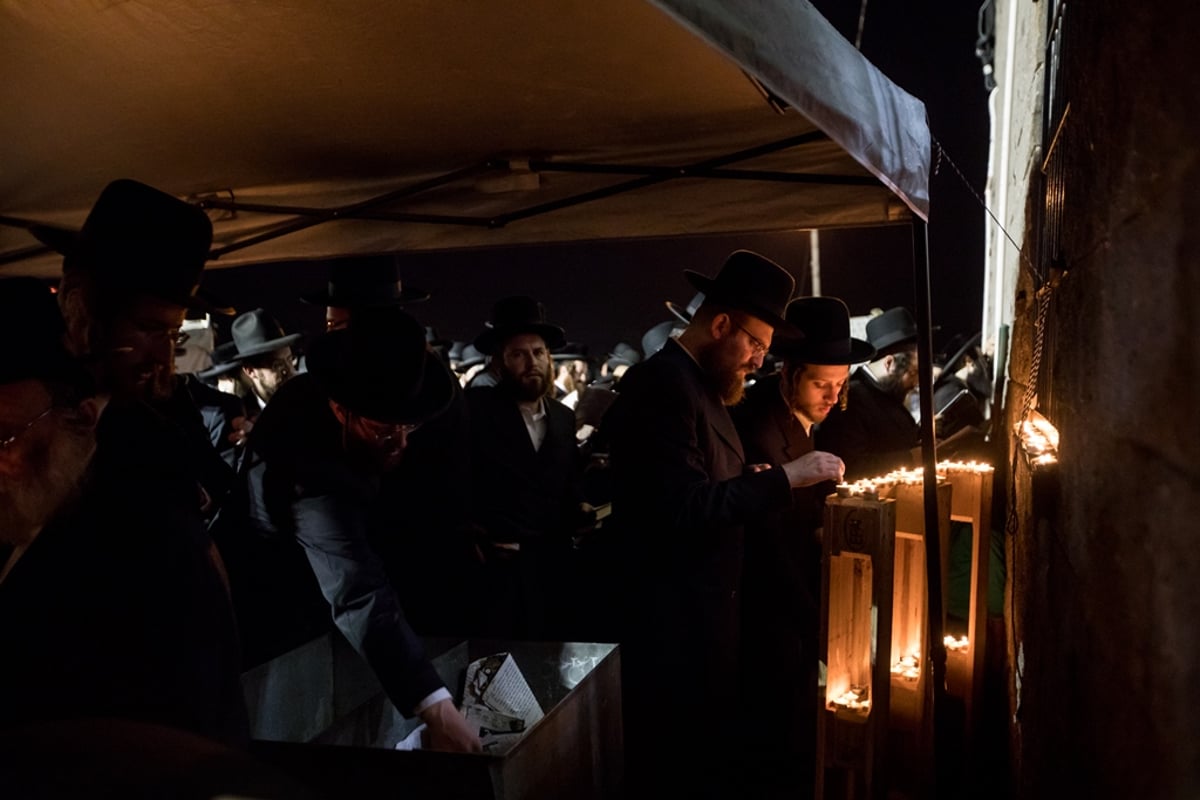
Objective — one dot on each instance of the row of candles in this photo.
(908, 668)
(870, 488)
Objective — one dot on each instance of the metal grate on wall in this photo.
(1048, 256)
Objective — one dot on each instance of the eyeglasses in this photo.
(385, 434)
(10, 440)
(176, 337)
(756, 345)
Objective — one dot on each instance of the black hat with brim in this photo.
(516, 315)
(137, 239)
(379, 367)
(824, 323)
(224, 361)
(372, 283)
(892, 331)
(751, 283)
(255, 333)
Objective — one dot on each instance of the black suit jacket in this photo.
(300, 483)
(118, 608)
(522, 494)
(682, 496)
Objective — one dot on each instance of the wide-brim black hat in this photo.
(379, 367)
(255, 333)
(32, 327)
(515, 315)
(750, 283)
(371, 283)
(892, 331)
(224, 361)
(138, 239)
(824, 325)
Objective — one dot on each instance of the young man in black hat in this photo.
(264, 352)
(110, 602)
(781, 596)
(526, 476)
(875, 433)
(318, 457)
(684, 490)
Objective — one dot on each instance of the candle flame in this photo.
(956, 644)
(1039, 438)
(856, 698)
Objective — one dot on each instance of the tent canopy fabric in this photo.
(313, 130)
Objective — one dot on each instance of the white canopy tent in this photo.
(312, 129)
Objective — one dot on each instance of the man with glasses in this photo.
(264, 352)
(129, 277)
(110, 601)
(319, 458)
(875, 433)
(433, 549)
(683, 491)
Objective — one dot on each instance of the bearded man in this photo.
(110, 601)
(526, 476)
(875, 433)
(683, 491)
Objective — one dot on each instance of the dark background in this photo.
(604, 292)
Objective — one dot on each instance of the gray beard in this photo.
(52, 479)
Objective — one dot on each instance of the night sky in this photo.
(604, 292)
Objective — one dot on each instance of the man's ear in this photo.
(87, 413)
(721, 325)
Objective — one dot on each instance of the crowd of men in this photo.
(160, 534)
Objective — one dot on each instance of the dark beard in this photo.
(52, 478)
(723, 380)
(526, 392)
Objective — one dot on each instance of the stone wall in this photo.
(1104, 558)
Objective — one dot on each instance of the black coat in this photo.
(780, 606)
(532, 498)
(301, 484)
(118, 608)
(521, 494)
(682, 496)
(874, 435)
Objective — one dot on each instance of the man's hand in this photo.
(449, 730)
(812, 468)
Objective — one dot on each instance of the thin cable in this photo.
(862, 23)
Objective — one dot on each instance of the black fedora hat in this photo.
(255, 333)
(571, 351)
(224, 360)
(519, 314)
(892, 331)
(685, 315)
(751, 283)
(32, 325)
(379, 367)
(139, 239)
(365, 284)
(623, 354)
(824, 323)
